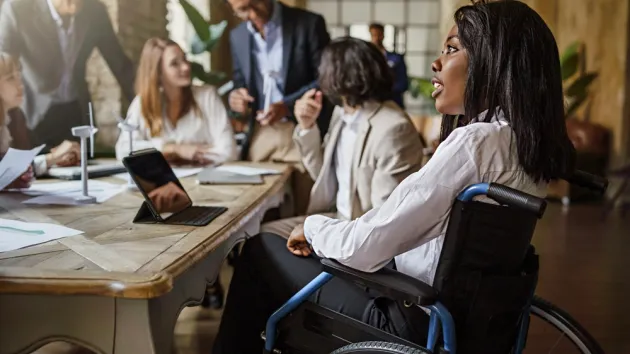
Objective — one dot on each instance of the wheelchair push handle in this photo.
(586, 180)
(505, 196)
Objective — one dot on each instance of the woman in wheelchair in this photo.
(498, 85)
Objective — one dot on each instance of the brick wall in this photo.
(135, 22)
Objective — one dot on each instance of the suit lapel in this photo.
(47, 27)
(368, 111)
(287, 41)
(81, 25)
(323, 191)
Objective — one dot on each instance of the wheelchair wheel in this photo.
(558, 332)
(378, 348)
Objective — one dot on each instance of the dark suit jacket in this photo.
(401, 82)
(304, 36)
(29, 32)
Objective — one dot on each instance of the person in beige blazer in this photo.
(371, 145)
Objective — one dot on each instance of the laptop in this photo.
(212, 175)
(95, 170)
(165, 197)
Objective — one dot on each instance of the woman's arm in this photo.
(413, 215)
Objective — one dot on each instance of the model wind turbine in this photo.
(84, 132)
(126, 127)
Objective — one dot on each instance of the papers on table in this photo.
(246, 170)
(18, 234)
(179, 173)
(15, 163)
(64, 193)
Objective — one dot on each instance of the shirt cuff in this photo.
(40, 166)
(311, 225)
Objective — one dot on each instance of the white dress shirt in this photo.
(344, 151)
(66, 91)
(410, 226)
(211, 128)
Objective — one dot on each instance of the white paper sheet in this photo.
(246, 170)
(18, 234)
(64, 193)
(179, 173)
(15, 163)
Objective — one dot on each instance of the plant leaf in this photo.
(580, 86)
(216, 31)
(575, 103)
(420, 86)
(198, 22)
(570, 60)
(211, 78)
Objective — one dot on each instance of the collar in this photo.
(274, 22)
(498, 117)
(56, 16)
(351, 118)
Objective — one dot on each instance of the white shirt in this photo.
(66, 91)
(211, 128)
(344, 151)
(411, 224)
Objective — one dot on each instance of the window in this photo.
(182, 32)
(411, 28)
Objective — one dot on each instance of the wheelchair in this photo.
(481, 301)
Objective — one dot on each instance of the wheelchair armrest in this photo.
(390, 283)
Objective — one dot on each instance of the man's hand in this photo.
(24, 181)
(239, 99)
(307, 108)
(297, 243)
(67, 153)
(275, 112)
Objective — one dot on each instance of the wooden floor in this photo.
(585, 266)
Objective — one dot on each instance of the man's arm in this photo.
(111, 50)
(237, 73)
(10, 40)
(318, 39)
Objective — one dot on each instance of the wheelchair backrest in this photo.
(487, 273)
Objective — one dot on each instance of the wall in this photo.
(135, 22)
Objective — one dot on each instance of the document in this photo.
(64, 193)
(15, 163)
(248, 171)
(18, 234)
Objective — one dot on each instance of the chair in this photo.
(480, 298)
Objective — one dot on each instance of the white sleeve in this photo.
(141, 137)
(412, 215)
(223, 141)
(40, 165)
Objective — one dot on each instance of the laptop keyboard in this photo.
(196, 216)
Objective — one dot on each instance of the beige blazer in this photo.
(387, 150)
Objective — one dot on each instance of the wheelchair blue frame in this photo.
(439, 313)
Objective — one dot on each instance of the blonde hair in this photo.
(148, 85)
(8, 66)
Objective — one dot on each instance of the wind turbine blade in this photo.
(91, 115)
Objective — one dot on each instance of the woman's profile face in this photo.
(11, 90)
(175, 67)
(451, 73)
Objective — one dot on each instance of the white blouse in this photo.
(410, 226)
(211, 128)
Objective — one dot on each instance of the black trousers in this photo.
(266, 275)
(57, 125)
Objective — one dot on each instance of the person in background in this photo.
(371, 145)
(53, 40)
(11, 97)
(395, 61)
(275, 56)
(187, 123)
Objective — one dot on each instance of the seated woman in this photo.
(187, 123)
(11, 97)
(499, 87)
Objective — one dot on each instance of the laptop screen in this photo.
(157, 182)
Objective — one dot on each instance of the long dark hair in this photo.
(356, 70)
(514, 66)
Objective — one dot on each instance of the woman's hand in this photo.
(66, 154)
(24, 181)
(297, 243)
(307, 108)
(195, 154)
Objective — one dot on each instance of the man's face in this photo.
(256, 11)
(377, 37)
(67, 7)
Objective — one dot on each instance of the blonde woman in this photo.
(187, 123)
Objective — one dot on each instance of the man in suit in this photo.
(275, 57)
(371, 145)
(395, 61)
(53, 40)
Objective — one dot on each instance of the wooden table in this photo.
(119, 288)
